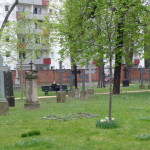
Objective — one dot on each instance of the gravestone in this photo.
(9, 94)
(4, 108)
(90, 91)
(17, 79)
(149, 77)
(61, 95)
(75, 72)
(31, 90)
(141, 79)
(83, 92)
(71, 93)
(125, 82)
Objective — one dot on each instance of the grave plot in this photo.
(71, 116)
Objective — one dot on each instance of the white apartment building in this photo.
(36, 9)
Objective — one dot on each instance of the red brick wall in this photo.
(48, 76)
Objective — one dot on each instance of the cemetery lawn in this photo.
(131, 110)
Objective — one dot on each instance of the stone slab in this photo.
(71, 95)
(32, 105)
(90, 92)
(4, 108)
(83, 95)
(61, 97)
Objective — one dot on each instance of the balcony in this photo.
(34, 2)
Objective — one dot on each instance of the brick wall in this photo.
(48, 76)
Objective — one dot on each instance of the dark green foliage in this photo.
(31, 133)
(143, 137)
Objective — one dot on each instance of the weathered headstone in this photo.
(90, 91)
(71, 93)
(9, 94)
(61, 95)
(31, 90)
(83, 92)
(141, 78)
(125, 82)
(4, 108)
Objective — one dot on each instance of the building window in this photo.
(6, 7)
(37, 10)
(21, 9)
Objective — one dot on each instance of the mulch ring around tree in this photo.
(71, 116)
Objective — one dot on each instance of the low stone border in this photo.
(71, 116)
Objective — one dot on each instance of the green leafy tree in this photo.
(22, 41)
(102, 30)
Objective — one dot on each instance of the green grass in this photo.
(82, 133)
(132, 87)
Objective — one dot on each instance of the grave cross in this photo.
(31, 65)
(90, 72)
(60, 70)
(125, 72)
(149, 74)
(75, 72)
(141, 75)
(83, 77)
(2, 92)
(71, 77)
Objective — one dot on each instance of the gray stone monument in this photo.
(4, 108)
(61, 95)
(31, 90)
(90, 90)
(142, 86)
(9, 93)
(83, 92)
(71, 93)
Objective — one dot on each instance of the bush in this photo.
(106, 123)
(31, 133)
(143, 137)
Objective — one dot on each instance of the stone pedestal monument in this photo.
(4, 108)
(31, 90)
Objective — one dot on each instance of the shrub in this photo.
(31, 133)
(143, 137)
(106, 123)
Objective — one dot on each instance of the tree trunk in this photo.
(118, 57)
(7, 16)
(101, 82)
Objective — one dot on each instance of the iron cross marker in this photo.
(31, 65)
(83, 77)
(71, 77)
(141, 75)
(75, 72)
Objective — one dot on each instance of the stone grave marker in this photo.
(71, 93)
(61, 95)
(90, 91)
(4, 108)
(141, 79)
(83, 93)
(17, 79)
(125, 82)
(9, 93)
(31, 90)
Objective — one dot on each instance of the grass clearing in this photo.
(82, 133)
